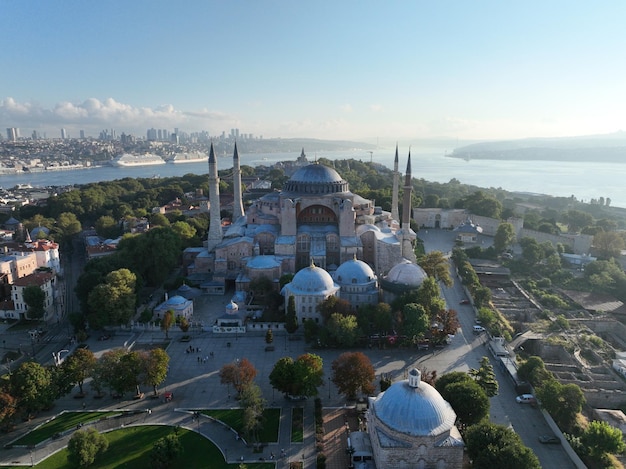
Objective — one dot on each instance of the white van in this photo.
(478, 329)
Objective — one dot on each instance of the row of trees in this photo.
(33, 387)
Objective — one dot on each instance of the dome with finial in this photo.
(315, 179)
(414, 407)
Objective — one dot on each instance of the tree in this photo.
(491, 445)
(32, 385)
(67, 225)
(343, 330)
(301, 377)
(532, 252)
(415, 321)
(352, 374)
(601, 438)
(609, 244)
(156, 363)
(485, 377)
(467, 398)
(184, 324)
(107, 227)
(85, 446)
(165, 451)
(332, 305)
(253, 404)
(8, 408)
(504, 237)
(238, 374)
(113, 302)
(534, 371)
(35, 298)
(436, 265)
(79, 366)
(166, 322)
(563, 402)
(291, 321)
(118, 370)
(577, 220)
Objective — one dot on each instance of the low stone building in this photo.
(412, 426)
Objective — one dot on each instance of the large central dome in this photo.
(315, 179)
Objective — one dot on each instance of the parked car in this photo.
(549, 440)
(526, 399)
(465, 302)
(478, 329)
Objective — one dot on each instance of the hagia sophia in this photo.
(334, 241)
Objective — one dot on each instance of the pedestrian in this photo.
(84, 405)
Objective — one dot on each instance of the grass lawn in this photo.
(234, 418)
(297, 425)
(59, 424)
(130, 448)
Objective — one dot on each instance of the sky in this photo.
(338, 70)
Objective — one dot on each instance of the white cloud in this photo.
(93, 115)
(346, 108)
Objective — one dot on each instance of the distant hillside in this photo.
(609, 148)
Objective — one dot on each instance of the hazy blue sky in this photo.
(325, 69)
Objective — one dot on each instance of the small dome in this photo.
(312, 279)
(34, 234)
(176, 300)
(232, 307)
(414, 408)
(354, 271)
(406, 273)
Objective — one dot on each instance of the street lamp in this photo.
(329, 387)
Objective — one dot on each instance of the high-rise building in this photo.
(151, 135)
(13, 134)
(63, 134)
(82, 135)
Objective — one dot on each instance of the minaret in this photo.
(407, 235)
(394, 194)
(237, 199)
(215, 227)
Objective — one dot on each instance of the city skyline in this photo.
(347, 71)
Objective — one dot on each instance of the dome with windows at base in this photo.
(354, 271)
(315, 179)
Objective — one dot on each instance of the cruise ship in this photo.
(190, 157)
(145, 159)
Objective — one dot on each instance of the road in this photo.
(466, 351)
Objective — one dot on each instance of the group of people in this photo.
(206, 358)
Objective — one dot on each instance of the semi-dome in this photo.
(354, 271)
(406, 274)
(315, 179)
(312, 279)
(414, 407)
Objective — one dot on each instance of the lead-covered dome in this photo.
(354, 271)
(315, 179)
(312, 279)
(406, 274)
(414, 408)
